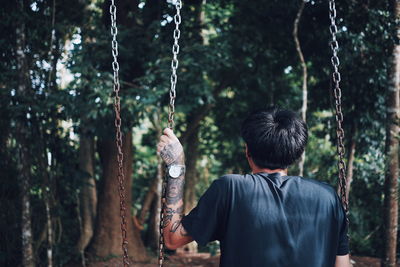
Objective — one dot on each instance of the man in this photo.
(265, 218)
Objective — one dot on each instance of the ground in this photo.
(206, 260)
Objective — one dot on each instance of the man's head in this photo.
(275, 138)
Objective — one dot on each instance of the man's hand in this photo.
(170, 149)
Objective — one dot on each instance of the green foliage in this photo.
(236, 56)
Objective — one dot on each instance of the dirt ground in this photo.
(206, 260)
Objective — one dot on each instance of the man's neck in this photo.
(282, 172)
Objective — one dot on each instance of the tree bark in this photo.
(49, 227)
(153, 231)
(148, 200)
(392, 154)
(22, 133)
(46, 170)
(107, 238)
(88, 194)
(350, 161)
(199, 115)
(191, 177)
(87, 198)
(304, 68)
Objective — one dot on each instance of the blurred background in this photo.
(59, 195)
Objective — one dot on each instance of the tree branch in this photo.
(200, 114)
(304, 67)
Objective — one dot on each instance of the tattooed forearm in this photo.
(171, 152)
(175, 190)
(169, 213)
(174, 204)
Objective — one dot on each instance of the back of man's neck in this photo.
(282, 172)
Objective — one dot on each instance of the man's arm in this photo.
(171, 151)
(343, 261)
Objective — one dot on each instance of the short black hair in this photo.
(275, 138)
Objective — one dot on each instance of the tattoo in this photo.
(168, 216)
(169, 213)
(172, 153)
(175, 190)
(178, 225)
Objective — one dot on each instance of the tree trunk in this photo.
(107, 238)
(191, 178)
(199, 114)
(304, 67)
(22, 133)
(392, 155)
(49, 227)
(153, 231)
(148, 200)
(87, 195)
(350, 161)
(87, 198)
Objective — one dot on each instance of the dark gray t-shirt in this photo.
(268, 220)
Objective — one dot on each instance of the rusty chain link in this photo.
(171, 123)
(118, 133)
(338, 106)
(161, 226)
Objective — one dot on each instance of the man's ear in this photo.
(247, 152)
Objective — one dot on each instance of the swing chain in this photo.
(174, 64)
(338, 105)
(171, 123)
(118, 133)
(161, 226)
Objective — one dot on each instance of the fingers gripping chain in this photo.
(338, 105)
(118, 133)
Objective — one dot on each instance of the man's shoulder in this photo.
(231, 177)
(229, 180)
(316, 183)
(308, 184)
(323, 189)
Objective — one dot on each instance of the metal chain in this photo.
(118, 133)
(174, 64)
(338, 106)
(171, 123)
(161, 226)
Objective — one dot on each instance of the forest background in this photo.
(58, 192)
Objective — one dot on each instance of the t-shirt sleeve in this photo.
(343, 246)
(206, 221)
